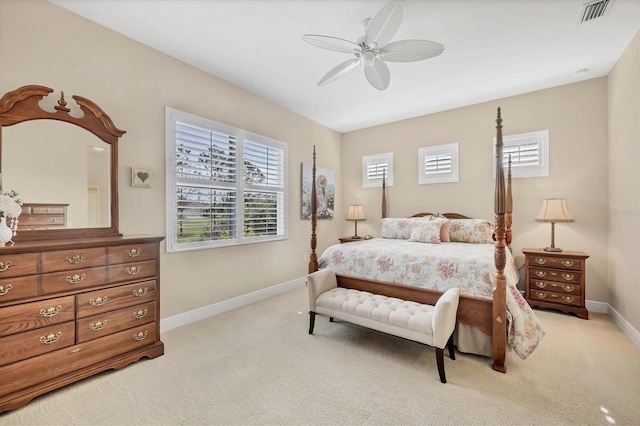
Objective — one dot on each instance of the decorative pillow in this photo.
(471, 231)
(444, 230)
(427, 232)
(400, 228)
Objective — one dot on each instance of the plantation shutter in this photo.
(438, 164)
(375, 167)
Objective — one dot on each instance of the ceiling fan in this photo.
(372, 50)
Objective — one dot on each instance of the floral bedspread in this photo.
(469, 267)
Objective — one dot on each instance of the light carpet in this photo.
(257, 365)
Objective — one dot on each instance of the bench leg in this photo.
(440, 361)
(312, 321)
(452, 353)
(330, 319)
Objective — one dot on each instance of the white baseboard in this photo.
(227, 305)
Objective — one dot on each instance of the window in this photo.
(374, 167)
(225, 186)
(438, 164)
(529, 154)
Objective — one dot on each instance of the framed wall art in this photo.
(325, 192)
(142, 177)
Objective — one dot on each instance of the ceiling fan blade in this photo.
(411, 50)
(378, 74)
(385, 23)
(338, 71)
(332, 43)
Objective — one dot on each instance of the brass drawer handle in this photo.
(568, 263)
(75, 259)
(140, 292)
(47, 210)
(133, 270)
(568, 299)
(133, 252)
(75, 279)
(51, 312)
(97, 325)
(5, 265)
(140, 336)
(541, 273)
(540, 261)
(540, 284)
(568, 277)
(5, 290)
(568, 288)
(140, 314)
(99, 301)
(51, 338)
(54, 220)
(541, 295)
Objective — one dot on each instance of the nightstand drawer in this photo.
(556, 263)
(549, 296)
(556, 287)
(560, 276)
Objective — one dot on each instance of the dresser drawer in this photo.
(64, 361)
(131, 271)
(64, 260)
(557, 287)
(565, 299)
(15, 265)
(18, 288)
(557, 263)
(36, 342)
(57, 282)
(42, 221)
(560, 276)
(111, 322)
(28, 316)
(109, 299)
(131, 253)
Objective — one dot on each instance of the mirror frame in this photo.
(22, 105)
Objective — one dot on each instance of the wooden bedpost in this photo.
(509, 206)
(499, 335)
(313, 258)
(384, 196)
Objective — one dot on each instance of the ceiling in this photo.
(493, 49)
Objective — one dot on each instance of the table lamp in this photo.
(356, 213)
(554, 210)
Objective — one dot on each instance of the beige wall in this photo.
(576, 117)
(43, 44)
(624, 184)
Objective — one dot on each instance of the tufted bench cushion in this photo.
(431, 325)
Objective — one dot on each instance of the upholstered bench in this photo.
(431, 325)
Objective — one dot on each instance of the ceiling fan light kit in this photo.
(372, 50)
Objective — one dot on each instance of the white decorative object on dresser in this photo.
(73, 301)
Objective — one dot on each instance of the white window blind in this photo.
(375, 167)
(225, 186)
(438, 164)
(529, 154)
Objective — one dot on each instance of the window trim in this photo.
(172, 116)
(541, 169)
(387, 158)
(448, 177)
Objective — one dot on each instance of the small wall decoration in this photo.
(141, 176)
(325, 192)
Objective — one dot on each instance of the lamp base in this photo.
(355, 237)
(552, 249)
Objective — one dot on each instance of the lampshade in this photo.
(355, 213)
(554, 210)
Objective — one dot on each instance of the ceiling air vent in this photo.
(594, 9)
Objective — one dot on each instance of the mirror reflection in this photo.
(53, 165)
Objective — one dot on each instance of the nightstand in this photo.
(349, 239)
(556, 280)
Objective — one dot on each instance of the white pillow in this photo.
(427, 232)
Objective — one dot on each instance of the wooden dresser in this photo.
(72, 308)
(43, 216)
(556, 280)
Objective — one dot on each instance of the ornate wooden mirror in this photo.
(50, 163)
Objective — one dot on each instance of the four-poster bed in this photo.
(489, 298)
